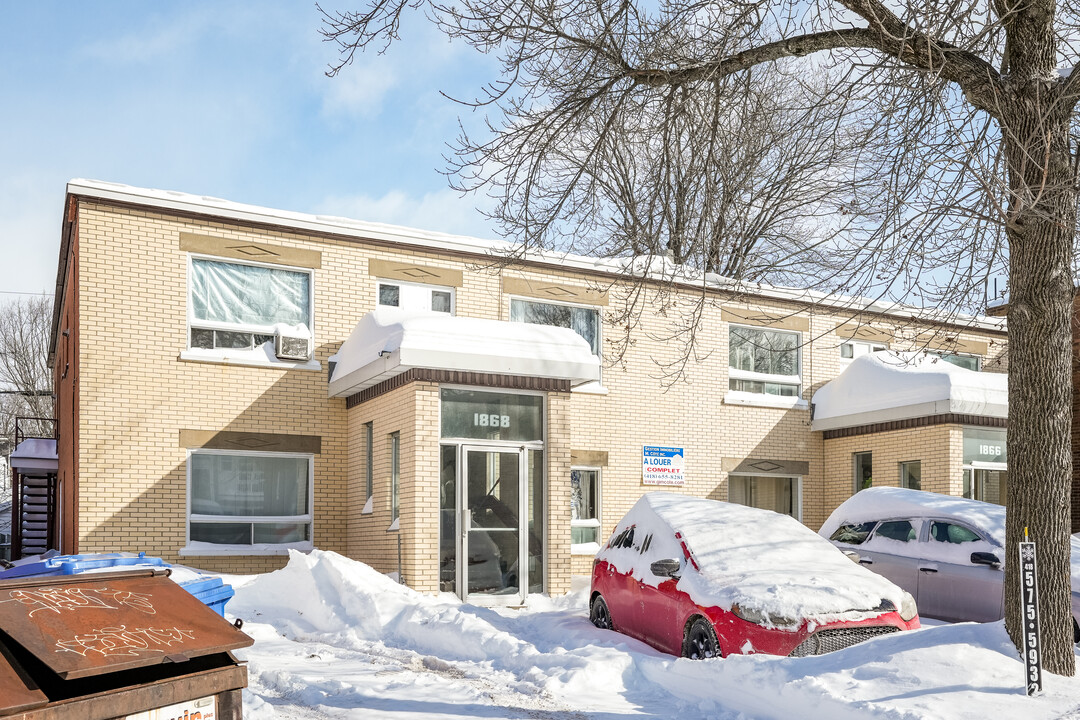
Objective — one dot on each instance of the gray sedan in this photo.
(948, 552)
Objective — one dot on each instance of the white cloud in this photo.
(441, 211)
(358, 90)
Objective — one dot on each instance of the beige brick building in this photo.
(202, 417)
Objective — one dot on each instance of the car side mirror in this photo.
(668, 567)
(985, 558)
(852, 555)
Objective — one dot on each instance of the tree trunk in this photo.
(1041, 227)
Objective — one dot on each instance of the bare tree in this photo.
(964, 165)
(25, 379)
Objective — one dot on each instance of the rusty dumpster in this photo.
(131, 645)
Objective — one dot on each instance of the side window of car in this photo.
(900, 530)
(950, 533)
(853, 534)
(624, 539)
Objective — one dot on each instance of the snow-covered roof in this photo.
(388, 342)
(886, 386)
(755, 558)
(34, 454)
(655, 268)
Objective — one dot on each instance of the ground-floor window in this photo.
(584, 506)
(779, 494)
(247, 498)
(911, 475)
(862, 469)
(987, 485)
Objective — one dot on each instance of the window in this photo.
(369, 459)
(899, 530)
(395, 473)
(911, 475)
(584, 506)
(968, 362)
(855, 348)
(585, 321)
(763, 361)
(952, 533)
(249, 498)
(853, 534)
(778, 494)
(236, 306)
(863, 466)
(414, 296)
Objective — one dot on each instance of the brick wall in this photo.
(136, 395)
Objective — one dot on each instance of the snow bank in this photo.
(320, 652)
(756, 558)
(885, 386)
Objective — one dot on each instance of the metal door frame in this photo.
(464, 516)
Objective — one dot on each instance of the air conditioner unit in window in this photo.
(292, 347)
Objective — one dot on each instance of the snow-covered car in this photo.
(948, 552)
(701, 578)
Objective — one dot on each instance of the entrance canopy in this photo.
(34, 454)
(886, 386)
(388, 342)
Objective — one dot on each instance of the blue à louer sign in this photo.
(663, 465)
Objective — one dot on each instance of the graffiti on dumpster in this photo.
(121, 640)
(58, 600)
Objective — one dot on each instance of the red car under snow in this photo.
(700, 578)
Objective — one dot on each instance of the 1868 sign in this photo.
(1029, 610)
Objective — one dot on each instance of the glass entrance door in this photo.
(493, 506)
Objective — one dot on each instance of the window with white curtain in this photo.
(249, 498)
(236, 306)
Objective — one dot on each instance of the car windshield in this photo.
(853, 534)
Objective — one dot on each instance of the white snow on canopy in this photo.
(388, 342)
(886, 386)
(888, 503)
(35, 454)
(756, 558)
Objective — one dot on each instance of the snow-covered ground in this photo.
(335, 639)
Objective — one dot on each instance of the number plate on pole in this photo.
(1029, 611)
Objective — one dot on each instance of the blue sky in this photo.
(221, 98)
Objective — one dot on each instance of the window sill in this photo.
(368, 509)
(394, 526)
(590, 388)
(589, 549)
(246, 358)
(735, 397)
(204, 549)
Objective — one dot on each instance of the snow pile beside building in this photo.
(334, 639)
(886, 386)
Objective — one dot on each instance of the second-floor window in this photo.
(763, 361)
(585, 321)
(236, 306)
(414, 296)
(855, 348)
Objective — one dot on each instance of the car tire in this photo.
(599, 614)
(700, 640)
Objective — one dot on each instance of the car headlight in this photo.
(907, 608)
(760, 617)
